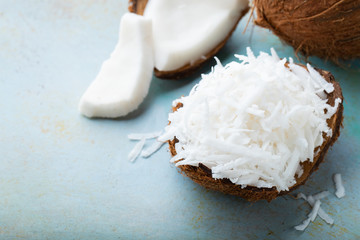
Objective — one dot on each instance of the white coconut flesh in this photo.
(185, 30)
(124, 79)
(253, 121)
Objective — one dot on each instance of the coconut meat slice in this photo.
(185, 30)
(124, 78)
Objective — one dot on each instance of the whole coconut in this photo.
(325, 28)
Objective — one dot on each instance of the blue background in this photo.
(63, 176)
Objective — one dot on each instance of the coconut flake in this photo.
(135, 152)
(274, 54)
(311, 217)
(139, 136)
(328, 87)
(301, 195)
(315, 210)
(311, 201)
(332, 110)
(303, 225)
(280, 108)
(321, 195)
(340, 190)
(152, 149)
(322, 213)
(324, 216)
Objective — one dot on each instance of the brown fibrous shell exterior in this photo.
(328, 29)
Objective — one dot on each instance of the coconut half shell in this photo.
(328, 29)
(138, 7)
(203, 176)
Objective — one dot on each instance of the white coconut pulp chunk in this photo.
(124, 79)
(252, 121)
(186, 30)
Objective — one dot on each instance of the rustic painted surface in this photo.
(63, 176)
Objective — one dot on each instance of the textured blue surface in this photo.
(63, 176)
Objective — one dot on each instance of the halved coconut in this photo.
(187, 33)
(328, 29)
(259, 132)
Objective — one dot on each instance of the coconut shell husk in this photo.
(203, 176)
(328, 29)
(138, 7)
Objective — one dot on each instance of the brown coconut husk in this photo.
(328, 29)
(138, 7)
(203, 176)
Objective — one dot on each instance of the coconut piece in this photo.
(187, 33)
(322, 214)
(203, 174)
(311, 217)
(139, 136)
(124, 79)
(340, 190)
(315, 210)
(135, 152)
(321, 195)
(328, 29)
(312, 199)
(152, 149)
(303, 225)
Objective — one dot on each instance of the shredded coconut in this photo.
(321, 195)
(315, 210)
(253, 121)
(303, 225)
(142, 138)
(139, 136)
(311, 217)
(320, 212)
(340, 190)
(324, 216)
(152, 149)
(135, 152)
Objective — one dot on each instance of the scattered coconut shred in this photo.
(138, 148)
(253, 121)
(314, 202)
(340, 190)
